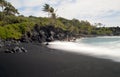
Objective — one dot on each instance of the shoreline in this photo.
(41, 61)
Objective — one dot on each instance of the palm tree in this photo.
(50, 10)
(7, 9)
(53, 15)
(46, 8)
(3, 4)
(10, 10)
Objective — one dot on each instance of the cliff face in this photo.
(45, 34)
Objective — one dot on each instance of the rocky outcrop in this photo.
(11, 46)
(16, 49)
(44, 34)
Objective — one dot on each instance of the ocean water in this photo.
(107, 47)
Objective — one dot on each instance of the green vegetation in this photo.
(12, 26)
(15, 31)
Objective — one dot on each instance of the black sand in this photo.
(40, 61)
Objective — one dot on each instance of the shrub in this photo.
(15, 30)
(14, 19)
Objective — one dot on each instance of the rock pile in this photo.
(11, 46)
(16, 50)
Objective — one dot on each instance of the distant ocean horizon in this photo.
(106, 47)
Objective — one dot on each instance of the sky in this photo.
(106, 12)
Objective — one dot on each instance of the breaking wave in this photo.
(100, 47)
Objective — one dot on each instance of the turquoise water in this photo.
(101, 40)
(105, 42)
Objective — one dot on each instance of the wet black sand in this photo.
(40, 61)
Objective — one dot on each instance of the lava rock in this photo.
(17, 49)
(0, 45)
(23, 49)
(8, 51)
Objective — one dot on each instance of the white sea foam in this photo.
(104, 51)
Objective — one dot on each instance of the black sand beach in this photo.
(40, 61)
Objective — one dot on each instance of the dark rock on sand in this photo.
(46, 43)
(8, 51)
(15, 50)
(13, 46)
(1, 43)
(23, 49)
